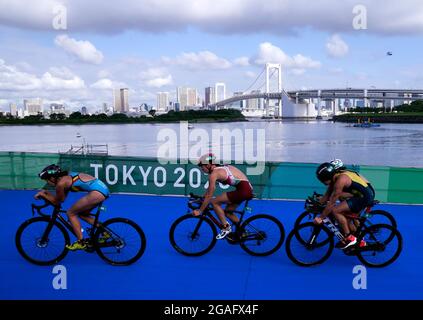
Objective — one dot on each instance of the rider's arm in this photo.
(60, 194)
(337, 192)
(210, 191)
(326, 196)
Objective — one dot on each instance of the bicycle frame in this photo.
(56, 215)
(335, 230)
(208, 213)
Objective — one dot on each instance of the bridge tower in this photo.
(271, 68)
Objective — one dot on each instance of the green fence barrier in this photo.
(18, 170)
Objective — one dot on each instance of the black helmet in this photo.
(50, 171)
(325, 172)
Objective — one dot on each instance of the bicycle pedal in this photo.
(350, 251)
(232, 238)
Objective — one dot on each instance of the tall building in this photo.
(187, 97)
(121, 100)
(105, 107)
(192, 97)
(33, 106)
(239, 104)
(254, 104)
(13, 109)
(210, 96)
(162, 101)
(57, 108)
(220, 91)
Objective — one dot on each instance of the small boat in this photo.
(366, 124)
(78, 135)
(190, 126)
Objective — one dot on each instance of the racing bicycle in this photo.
(258, 235)
(42, 240)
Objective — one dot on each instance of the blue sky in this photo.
(152, 46)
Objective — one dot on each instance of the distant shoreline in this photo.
(380, 118)
(171, 117)
(104, 123)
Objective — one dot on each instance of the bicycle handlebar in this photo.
(38, 208)
(195, 201)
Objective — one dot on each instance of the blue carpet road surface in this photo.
(227, 272)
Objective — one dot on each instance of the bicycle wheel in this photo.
(381, 217)
(312, 252)
(261, 235)
(304, 218)
(40, 251)
(192, 236)
(383, 245)
(126, 242)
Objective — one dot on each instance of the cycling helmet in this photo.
(208, 158)
(325, 172)
(338, 164)
(52, 170)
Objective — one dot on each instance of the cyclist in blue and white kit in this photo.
(64, 182)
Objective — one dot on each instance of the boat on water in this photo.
(365, 124)
(190, 126)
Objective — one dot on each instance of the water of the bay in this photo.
(293, 141)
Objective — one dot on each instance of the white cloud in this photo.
(103, 84)
(160, 82)
(156, 77)
(85, 51)
(242, 61)
(203, 60)
(336, 47)
(268, 52)
(221, 16)
(13, 79)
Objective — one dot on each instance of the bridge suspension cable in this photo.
(255, 80)
(264, 83)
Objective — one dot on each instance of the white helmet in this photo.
(337, 164)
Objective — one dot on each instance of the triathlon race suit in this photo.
(362, 191)
(243, 189)
(88, 186)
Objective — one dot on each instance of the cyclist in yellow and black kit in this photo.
(348, 193)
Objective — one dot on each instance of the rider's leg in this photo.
(217, 207)
(230, 207)
(84, 204)
(339, 211)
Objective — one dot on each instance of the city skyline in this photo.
(181, 47)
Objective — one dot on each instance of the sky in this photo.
(76, 51)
